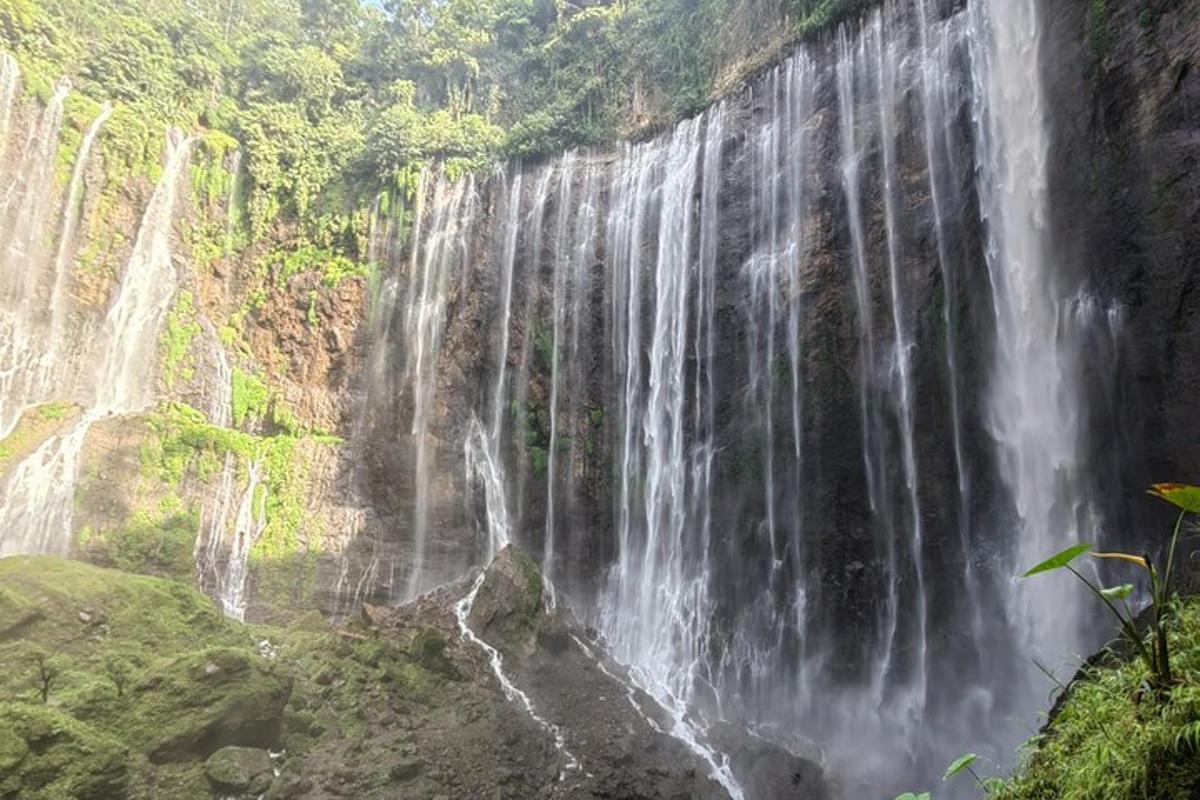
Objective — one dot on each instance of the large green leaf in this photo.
(1118, 592)
(1179, 495)
(911, 796)
(960, 763)
(1059, 561)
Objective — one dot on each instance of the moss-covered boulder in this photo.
(508, 606)
(428, 650)
(47, 755)
(239, 771)
(204, 701)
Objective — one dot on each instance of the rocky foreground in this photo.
(117, 685)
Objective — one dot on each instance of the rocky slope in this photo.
(151, 693)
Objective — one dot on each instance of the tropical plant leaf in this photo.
(1118, 592)
(1179, 495)
(911, 796)
(1058, 561)
(960, 763)
(1141, 562)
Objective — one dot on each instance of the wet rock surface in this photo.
(614, 739)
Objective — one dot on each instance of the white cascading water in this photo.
(577, 231)
(25, 261)
(442, 253)
(59, 306)
(656, 608)
(214, 542)
(10, 82)
(487, 453)
(1035, 410)
(247, 528)
(561, 268)
(37, 503)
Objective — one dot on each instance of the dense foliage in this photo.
(334, 100)
(1114, 739)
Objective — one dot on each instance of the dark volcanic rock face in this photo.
(1126, 189)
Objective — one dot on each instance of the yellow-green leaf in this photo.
(1179, 495)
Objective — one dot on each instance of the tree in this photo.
(46, 671)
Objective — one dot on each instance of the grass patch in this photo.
(1115, 740)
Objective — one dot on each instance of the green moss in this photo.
(543, 347)
(154, 678)
(251, 397)
(533, 582)
(34, 428)
(182, 328)
(47, 755)
(154, 542)
(1098, 28)
(186, 444)
(55, 411)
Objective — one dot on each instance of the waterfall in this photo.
(726, 393)
(36, 506)
(1035, 410)
(499, 534)
(561, 268)
(231, 202)
(24, 231)
(485, 470)
(10, 80)
(247, 528)
(442, 252)
(66, 236)
(220, 409)
(35, 353)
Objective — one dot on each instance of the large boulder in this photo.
(207, 700)
(239, 771)
(508, 606)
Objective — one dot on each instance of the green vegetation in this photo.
(1115, 740)
(533, 426)
(117, 685)
(181, 330)
(251, 398)
(333, 101)
(34, 427)
(1155, 654)
(1098, 22)
(1129, 728)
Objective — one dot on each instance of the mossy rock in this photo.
(239, 770)
(204, 701)
(428, 650)
(47, 755)
(509, 607)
